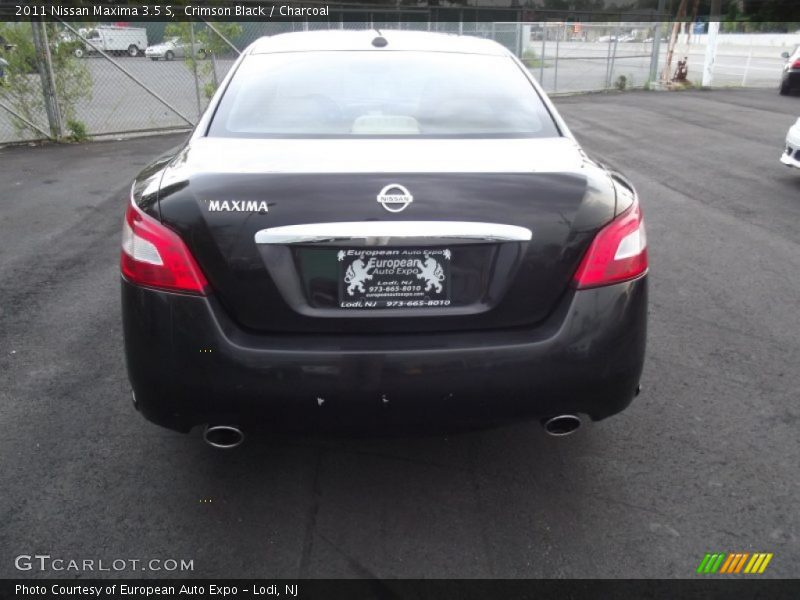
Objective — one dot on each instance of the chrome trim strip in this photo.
(381, 233)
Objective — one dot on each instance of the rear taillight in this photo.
(617, 253)
(155, 256)
(796, 64)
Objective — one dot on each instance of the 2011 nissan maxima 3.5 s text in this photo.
(372, 228)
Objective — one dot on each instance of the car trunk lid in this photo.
(293, 235)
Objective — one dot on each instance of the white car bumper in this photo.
(791, 153)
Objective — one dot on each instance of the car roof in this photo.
(362, 40)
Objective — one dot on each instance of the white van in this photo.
(114, 40)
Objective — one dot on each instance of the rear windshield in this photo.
(380, 94)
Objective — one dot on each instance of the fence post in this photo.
(656, 50)
(194, 69)
(541, 59)
(214, 71)
(613, 59)
(555, 71)
(44, 63)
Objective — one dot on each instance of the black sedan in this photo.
(370, 230)
(790, 78)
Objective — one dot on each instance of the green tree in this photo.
(22, 88)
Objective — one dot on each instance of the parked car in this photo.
(375, 230)
(173, 48)
(790, 78)
(607, 38)
(627, 38)
(113, 39)
(791, 153)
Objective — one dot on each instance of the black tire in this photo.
(133, 50)
(169, 55)
(784, 88)
(79, 52)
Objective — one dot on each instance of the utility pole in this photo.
(44, 62)
(194, 69)
(711, 43)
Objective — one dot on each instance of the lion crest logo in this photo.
(431, 271)
(357, 273)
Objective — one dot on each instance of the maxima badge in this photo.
(395, 198)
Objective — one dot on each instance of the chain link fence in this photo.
(590, 56)
(64, 80)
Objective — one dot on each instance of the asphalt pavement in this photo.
(705, 460)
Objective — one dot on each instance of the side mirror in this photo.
(785, 55)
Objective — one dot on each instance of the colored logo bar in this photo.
(734, 563)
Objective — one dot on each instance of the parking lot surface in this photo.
(705, 460)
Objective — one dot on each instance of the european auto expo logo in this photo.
(734, 563)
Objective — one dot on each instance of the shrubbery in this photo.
(22, 89)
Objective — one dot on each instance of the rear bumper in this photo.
(189, 364)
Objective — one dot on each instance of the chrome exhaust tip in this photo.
(223, 437)
(562, 425)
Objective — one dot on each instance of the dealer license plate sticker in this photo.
(394, 278)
